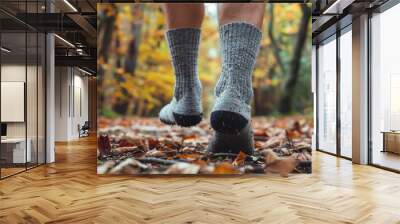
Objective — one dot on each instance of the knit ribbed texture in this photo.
(239, 48)
(183, 45)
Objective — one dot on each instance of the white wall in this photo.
(71, 93)
(61, 103)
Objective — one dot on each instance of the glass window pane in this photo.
(41, 98)
(23, 82)
(346, 94)
(32, 86)
(327, 96)
(31, 97)
(13, 85)
(385, 114)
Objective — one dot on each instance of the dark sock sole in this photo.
(167, 122)
(228, 143)
(227, 122)
(187, 120)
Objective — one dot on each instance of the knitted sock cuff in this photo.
(239, 48)
(183, 44)
(183, 36)
(241, 33)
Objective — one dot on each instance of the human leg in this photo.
(240, 38)
(183, 36)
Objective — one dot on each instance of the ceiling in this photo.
(330, 15)
(74, 21)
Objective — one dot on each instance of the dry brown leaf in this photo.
(240, 158)
(293, 134)
(183, 168)
(132, 140)
(269, 156)
(128, 166)
(258, 144)
(155, 153)
(283, 166)
(125, 122)
(272, 142)
(152, 143)
(285, 151)
(105, 167)
(225, 168)
(189, 137)
(125, 143)
(295, 126)
(188, 150)
(274, 164)
(260, 132)
(190, 156)
(204, 167)
(103, 144)
(124, 149)
(284, 137)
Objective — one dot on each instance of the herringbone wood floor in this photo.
(69, 191)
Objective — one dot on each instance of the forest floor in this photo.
(146, 146)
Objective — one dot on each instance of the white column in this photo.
(50, 92)
(360, 90)
(50, 100)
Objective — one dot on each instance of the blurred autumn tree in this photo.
(136, 77)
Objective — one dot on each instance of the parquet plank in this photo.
(69, 191)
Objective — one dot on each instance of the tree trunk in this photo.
(276, 48)
(131, 58)
(286, 104)
(106, 29)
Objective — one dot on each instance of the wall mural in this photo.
(227, 94)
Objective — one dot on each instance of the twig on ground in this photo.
(156, 160)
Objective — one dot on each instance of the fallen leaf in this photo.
(160, 147)
(189, 156)
(272, 142)
(239, 160)
(104, 145)
(124, 149)
(128, 166)
(275, 164)
(125, 122)
(260, 132)
(258, 144)
(155, 153)
(294, 134)
(189, 137)
(188, 150)
(124, 143)
(153, 143)
(282, 166)
(295, 126)
(105, 167)
(183, 168)
(225, 168)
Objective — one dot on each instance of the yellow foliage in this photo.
(151, 84)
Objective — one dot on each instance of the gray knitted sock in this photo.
(185, 108)
(239, 45)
